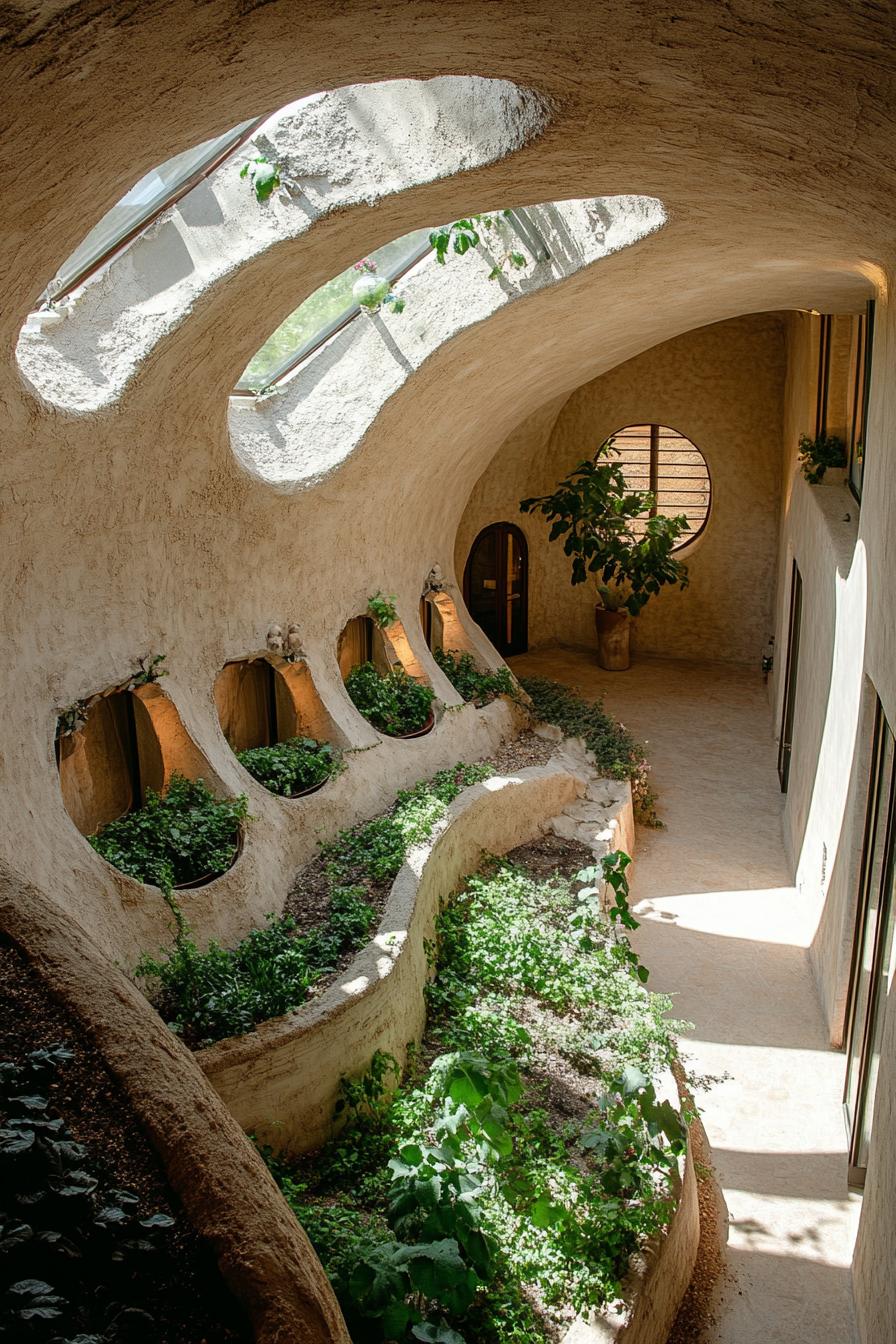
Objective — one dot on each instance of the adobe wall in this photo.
(722, 387)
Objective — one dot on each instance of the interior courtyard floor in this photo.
(722, 932)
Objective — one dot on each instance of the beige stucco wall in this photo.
(722, 387)
(133, 527)
(848, 659)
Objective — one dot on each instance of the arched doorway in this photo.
(496, 586)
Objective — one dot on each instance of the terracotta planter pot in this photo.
(418, 732)
(212, 877)
(613, 630)
(312, 788)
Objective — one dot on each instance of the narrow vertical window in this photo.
(872, 969)
(785, 746)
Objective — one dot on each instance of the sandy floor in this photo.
(722, 930)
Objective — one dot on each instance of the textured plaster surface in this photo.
(724, 931)
(133, 527)
(722, 387)
(346, 147)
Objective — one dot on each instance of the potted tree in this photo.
(594, 511)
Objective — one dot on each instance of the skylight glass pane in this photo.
(324, 311)
(140, 204)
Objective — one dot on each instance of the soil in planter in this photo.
(564, 1215)
(190, 1303)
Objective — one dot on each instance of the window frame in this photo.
(859, 397)
(88, 269)
(654, 475)
(526, 230)
(860, 1033)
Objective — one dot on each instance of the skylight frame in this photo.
(525, 229)
(105, 252)
(326, 333)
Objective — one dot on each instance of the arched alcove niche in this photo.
(363, 641)
(442, 628)
(130, 741)
(347, 147)
(264, 699)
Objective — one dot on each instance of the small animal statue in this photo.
(274, 639)
(436, 580)
(294, 648)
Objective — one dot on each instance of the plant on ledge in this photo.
(264, 176)
(393, 702)
(817, 454)
(594, 511)
(371, 291)
(291, 767)
(464, 234)
(469, 682)
(382, 610)
(177, 837)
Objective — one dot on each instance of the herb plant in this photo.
(382, 610)
(817, 454)
(76, 1254)
(176, 837)
(395, 703)
(444, 1211)
(616, 753)
(205, 996)
(290, 767)
(469, 682)
(593, 510)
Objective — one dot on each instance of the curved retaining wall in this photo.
(658, 1278)
(281, 1082)
(227, 1194)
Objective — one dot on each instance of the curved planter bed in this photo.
(659, 1274)
(282, 1081)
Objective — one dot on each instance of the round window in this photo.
(659, 459)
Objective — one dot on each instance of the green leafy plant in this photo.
(264, 176)
(392, 701)
(382, 610)
(372, 294)
(179, 836)
(616, 753)
(463, 235)
(208, 995)
(817, 454)
(76, 1254)
(593, 510)
(444, 1206)
(469, 682)
(291, 767)
(149, 669)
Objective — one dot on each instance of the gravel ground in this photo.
(527, 749)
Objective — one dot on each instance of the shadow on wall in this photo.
(265, 699)
(131, 741)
